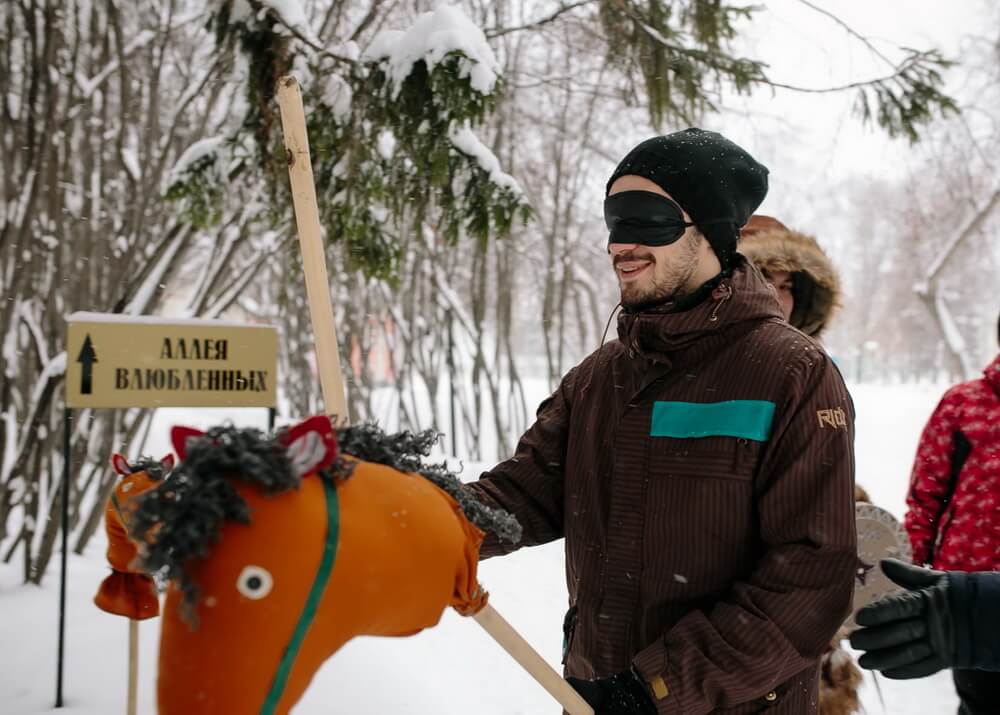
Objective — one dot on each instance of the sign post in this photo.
(64, 523)
(119, 361)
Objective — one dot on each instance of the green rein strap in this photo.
(312, 602)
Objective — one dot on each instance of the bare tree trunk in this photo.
(928, 291)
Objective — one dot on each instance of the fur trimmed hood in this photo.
(772, 247)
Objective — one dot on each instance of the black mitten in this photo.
(910, 634)
(619, 694)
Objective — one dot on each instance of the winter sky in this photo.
(818, 137)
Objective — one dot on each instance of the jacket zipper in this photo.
(724, 297)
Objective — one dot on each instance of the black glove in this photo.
(909, 634)
(619, 694)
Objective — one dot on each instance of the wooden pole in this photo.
(133, 666)
(529, 659)
(293, 122)
(451, 387)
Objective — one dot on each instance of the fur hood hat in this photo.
(771, 246)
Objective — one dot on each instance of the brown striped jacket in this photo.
(701, 470)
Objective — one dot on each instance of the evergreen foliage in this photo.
(901, 104)
(383, 168)
(387, 166)
(681, 51)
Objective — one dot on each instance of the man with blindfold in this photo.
(700, 467)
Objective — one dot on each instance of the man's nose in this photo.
(616, 248)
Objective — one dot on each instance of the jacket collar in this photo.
(657, 333)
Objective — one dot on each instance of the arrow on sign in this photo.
(87, 358)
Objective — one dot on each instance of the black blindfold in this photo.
(643, 217)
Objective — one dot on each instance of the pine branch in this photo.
(541, 22)
(850, 31)
(899, 71)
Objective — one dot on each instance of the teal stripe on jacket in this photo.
(749, 419)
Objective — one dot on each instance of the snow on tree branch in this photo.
(140, 301)
(392, 135)
(88, 85)
(290, 12)
(338, 96)
(197, 178)
(952, 335)
(467, 142)
(431, 38)
(53, 370)
(203, 152)
(37, 334)
(977, 221)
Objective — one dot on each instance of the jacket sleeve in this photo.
(930, 481)
(529, 485)
(975, 605)
(778, 620)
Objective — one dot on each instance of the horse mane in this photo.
(182, 518)
(405, 451)
(153, 468)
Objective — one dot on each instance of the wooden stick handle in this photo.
(133, 666)
(293, 123)
(529, 659)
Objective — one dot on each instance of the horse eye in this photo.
(254, 582)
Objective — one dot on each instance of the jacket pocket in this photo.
(699, 530)
(569, 628)
(942, 534)
(704, 458)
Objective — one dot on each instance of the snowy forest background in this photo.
(460, 178)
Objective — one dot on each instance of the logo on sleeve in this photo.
(832, 418)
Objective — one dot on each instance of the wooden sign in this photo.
(138, 361)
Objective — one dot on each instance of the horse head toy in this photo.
(278, 550)
(129, 591)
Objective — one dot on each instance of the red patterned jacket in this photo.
(954, 500)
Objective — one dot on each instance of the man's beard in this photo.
(671, 286)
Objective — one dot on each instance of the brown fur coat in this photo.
(772, 247)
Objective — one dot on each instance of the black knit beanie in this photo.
(715, 181)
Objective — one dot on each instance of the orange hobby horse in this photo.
(280, 550)
(129, 591)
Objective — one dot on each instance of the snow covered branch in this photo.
(468, 143)
(935, 266)
(431, 38)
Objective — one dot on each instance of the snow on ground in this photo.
(452, 669)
